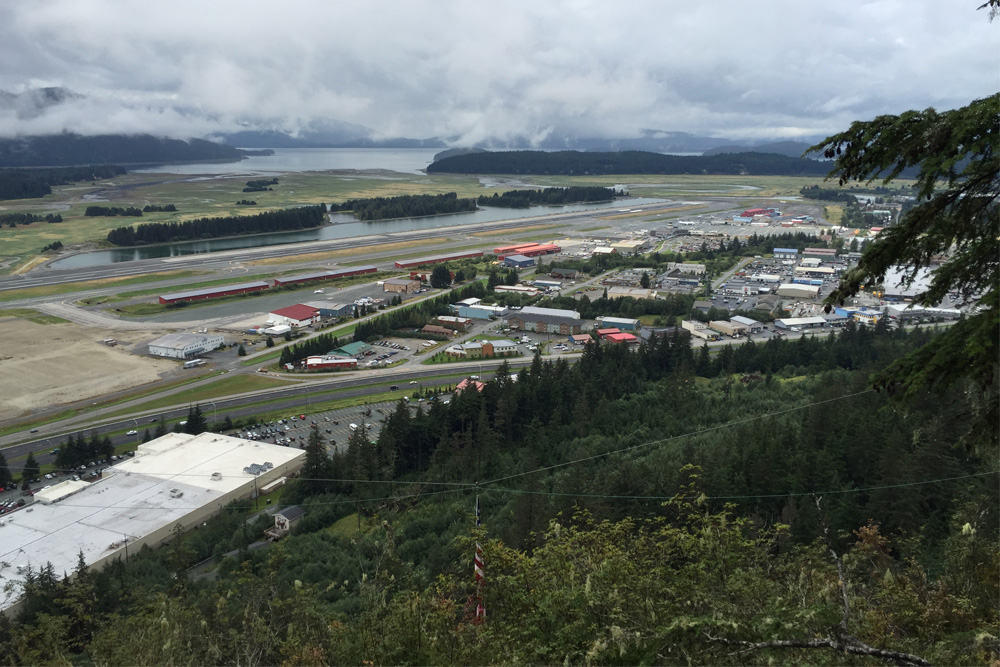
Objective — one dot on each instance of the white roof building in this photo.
(175, 480)
(551, 312)
(184, 345)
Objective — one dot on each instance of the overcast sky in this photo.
(473, 70)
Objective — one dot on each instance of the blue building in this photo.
(518, 261)
(786, 253)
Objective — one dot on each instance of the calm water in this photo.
(407, 160)
(344, 227)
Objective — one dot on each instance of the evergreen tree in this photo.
(241, 352)
(316, 469)
(270, 342)
(6, 478)
(161, 428)
(30, 470)
(146, 435)
(440, 277)
(196, 422)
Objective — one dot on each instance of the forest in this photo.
(69, 149)
(34, 183)
(550, 196)
(405, 206)
(290, 219)
(114, 211)
(578, 163)
(650, 507)
(15, 219)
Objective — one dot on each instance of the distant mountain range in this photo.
(68, 148)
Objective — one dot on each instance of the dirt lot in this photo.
(49, 364)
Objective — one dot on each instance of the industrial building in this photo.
(452, 322)
(436, 259)
(728, 328)
(565, 274)
(518, 261)
(519, 289)
(798, 291)
(538, 250)
(546, 320)
(621, 323)
(785, 253)
(323, 275)
(177, 480)
(752, 326)
(699, 330)
(631, 246)
(351, 350)
(214, 292)
(401, 285)
(547, 283)
(824, 254)
(299, 315)
(185, 345)
(503, 251)
(633, 292)
(626, 338)
(332, 309)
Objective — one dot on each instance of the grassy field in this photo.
(31, 315)
(351, 252)
(227, 386)
(514, 230)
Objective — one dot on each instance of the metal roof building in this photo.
(214, 292)
(184, 345)
(176, 480)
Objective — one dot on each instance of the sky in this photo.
(475, 72)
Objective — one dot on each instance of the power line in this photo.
(701, 431)
(742, 497)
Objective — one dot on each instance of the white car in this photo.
(132, 432)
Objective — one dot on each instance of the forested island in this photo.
(550, 196)
(578, 163)
(291, 219)
(405, 206)
(33, 183)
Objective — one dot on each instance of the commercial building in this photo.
(581, 339)
(544, 249)
(331, 309)
(686, 269)
(860, 315)
(326, 362)
(553, 312)
(177, 480)
(452, 322)
(699, 330)
(185, 345)
(547, 283)
(518, 261)
(633, 292)
(299, 315)
(794, 323)
(798, 291)
(622, 323)
(565, 274)
(321, 276)
(752, 326)
(542, 323)
(214, 292)
(625, 338)
(352, 350)
(631, 247)
(401, 285)
(728, 328)
(824, 254)
(785, 253)
(518, 289)
(912, 311)
(604, 333)
(817, 271)
(482, 312)
(436, 259)
(437, 330)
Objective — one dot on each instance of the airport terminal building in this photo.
(176, 480)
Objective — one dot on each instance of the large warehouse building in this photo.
(324, 275)
(184, 345)
(176, 480)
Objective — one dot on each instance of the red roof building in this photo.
(467, 384)
(295, 316)
(626, 338)
(604, 333)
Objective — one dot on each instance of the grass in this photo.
(228, 386)
(442, 358)
(350, 252)
(31, 315)
(86, 285)
(592, 229)
(514, 230)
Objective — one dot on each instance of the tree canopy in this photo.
(953, 232)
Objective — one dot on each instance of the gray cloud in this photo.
(474, 71)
